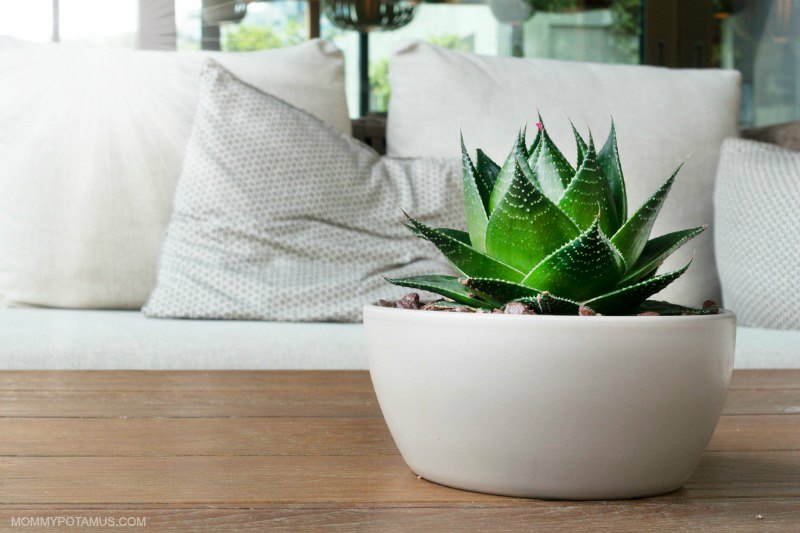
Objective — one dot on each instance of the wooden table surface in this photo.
(260, 450)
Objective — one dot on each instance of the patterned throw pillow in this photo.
(758, 233)
(280, 217)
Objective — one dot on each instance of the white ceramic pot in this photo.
(561, 407)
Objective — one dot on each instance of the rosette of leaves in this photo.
(555, 237)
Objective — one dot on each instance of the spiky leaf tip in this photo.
(552, 170)
(516, 161)
(588, 196)
(581, 145)
(656, 251)
(632, 237)
(536, 140)
(476, 200)
(456, 234)
(609, 160)
(487, 168)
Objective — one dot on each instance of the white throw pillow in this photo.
(280, 217)
(91, 146)
(758, 233)
(661, 116)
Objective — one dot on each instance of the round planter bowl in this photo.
(557, 407)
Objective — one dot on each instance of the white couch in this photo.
(38, 338)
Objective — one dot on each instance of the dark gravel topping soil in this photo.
(411, 301)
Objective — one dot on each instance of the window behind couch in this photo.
(761, 38)
(94, 22)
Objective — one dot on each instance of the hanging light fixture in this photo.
(368, 15)
(364, 16)
(219, 11)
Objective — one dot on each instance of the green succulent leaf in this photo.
(447, 286)
(487, 169)
(581, 145)
(625, 298)
(632, 236)
(547, 304)
(464, 257)
(557, 239)
(586, 266)
(526, 226)
(669, 309)
(551, 168)
(457, 234)
(656, 251)
(608, 157)
(534, 144)
(476, 200)
(589, 194)
(499, 290)
(516, 159)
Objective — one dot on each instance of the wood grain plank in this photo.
(260, 380)
(194, 436)
(783, 378)
(137, 380)
(65, 437)
(315, 480)
(289, 450)
(283, 401)
(639, 515)
(756, 432)
(299, 402)
(743, 474)
(762, 402)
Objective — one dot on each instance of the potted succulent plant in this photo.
(544, 371)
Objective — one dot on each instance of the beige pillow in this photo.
(91, 146)
(661, 116)
(758, 239)
(302, 231)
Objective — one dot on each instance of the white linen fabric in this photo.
(280, 217)
(758, 233)
(66, 339)
(69, 339)
(91, 146)
(661, 117)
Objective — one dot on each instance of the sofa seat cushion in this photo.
(85, 340)
(60, 339)
(767, 348)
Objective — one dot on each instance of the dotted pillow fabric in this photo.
(278, 216)
(758, 233)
